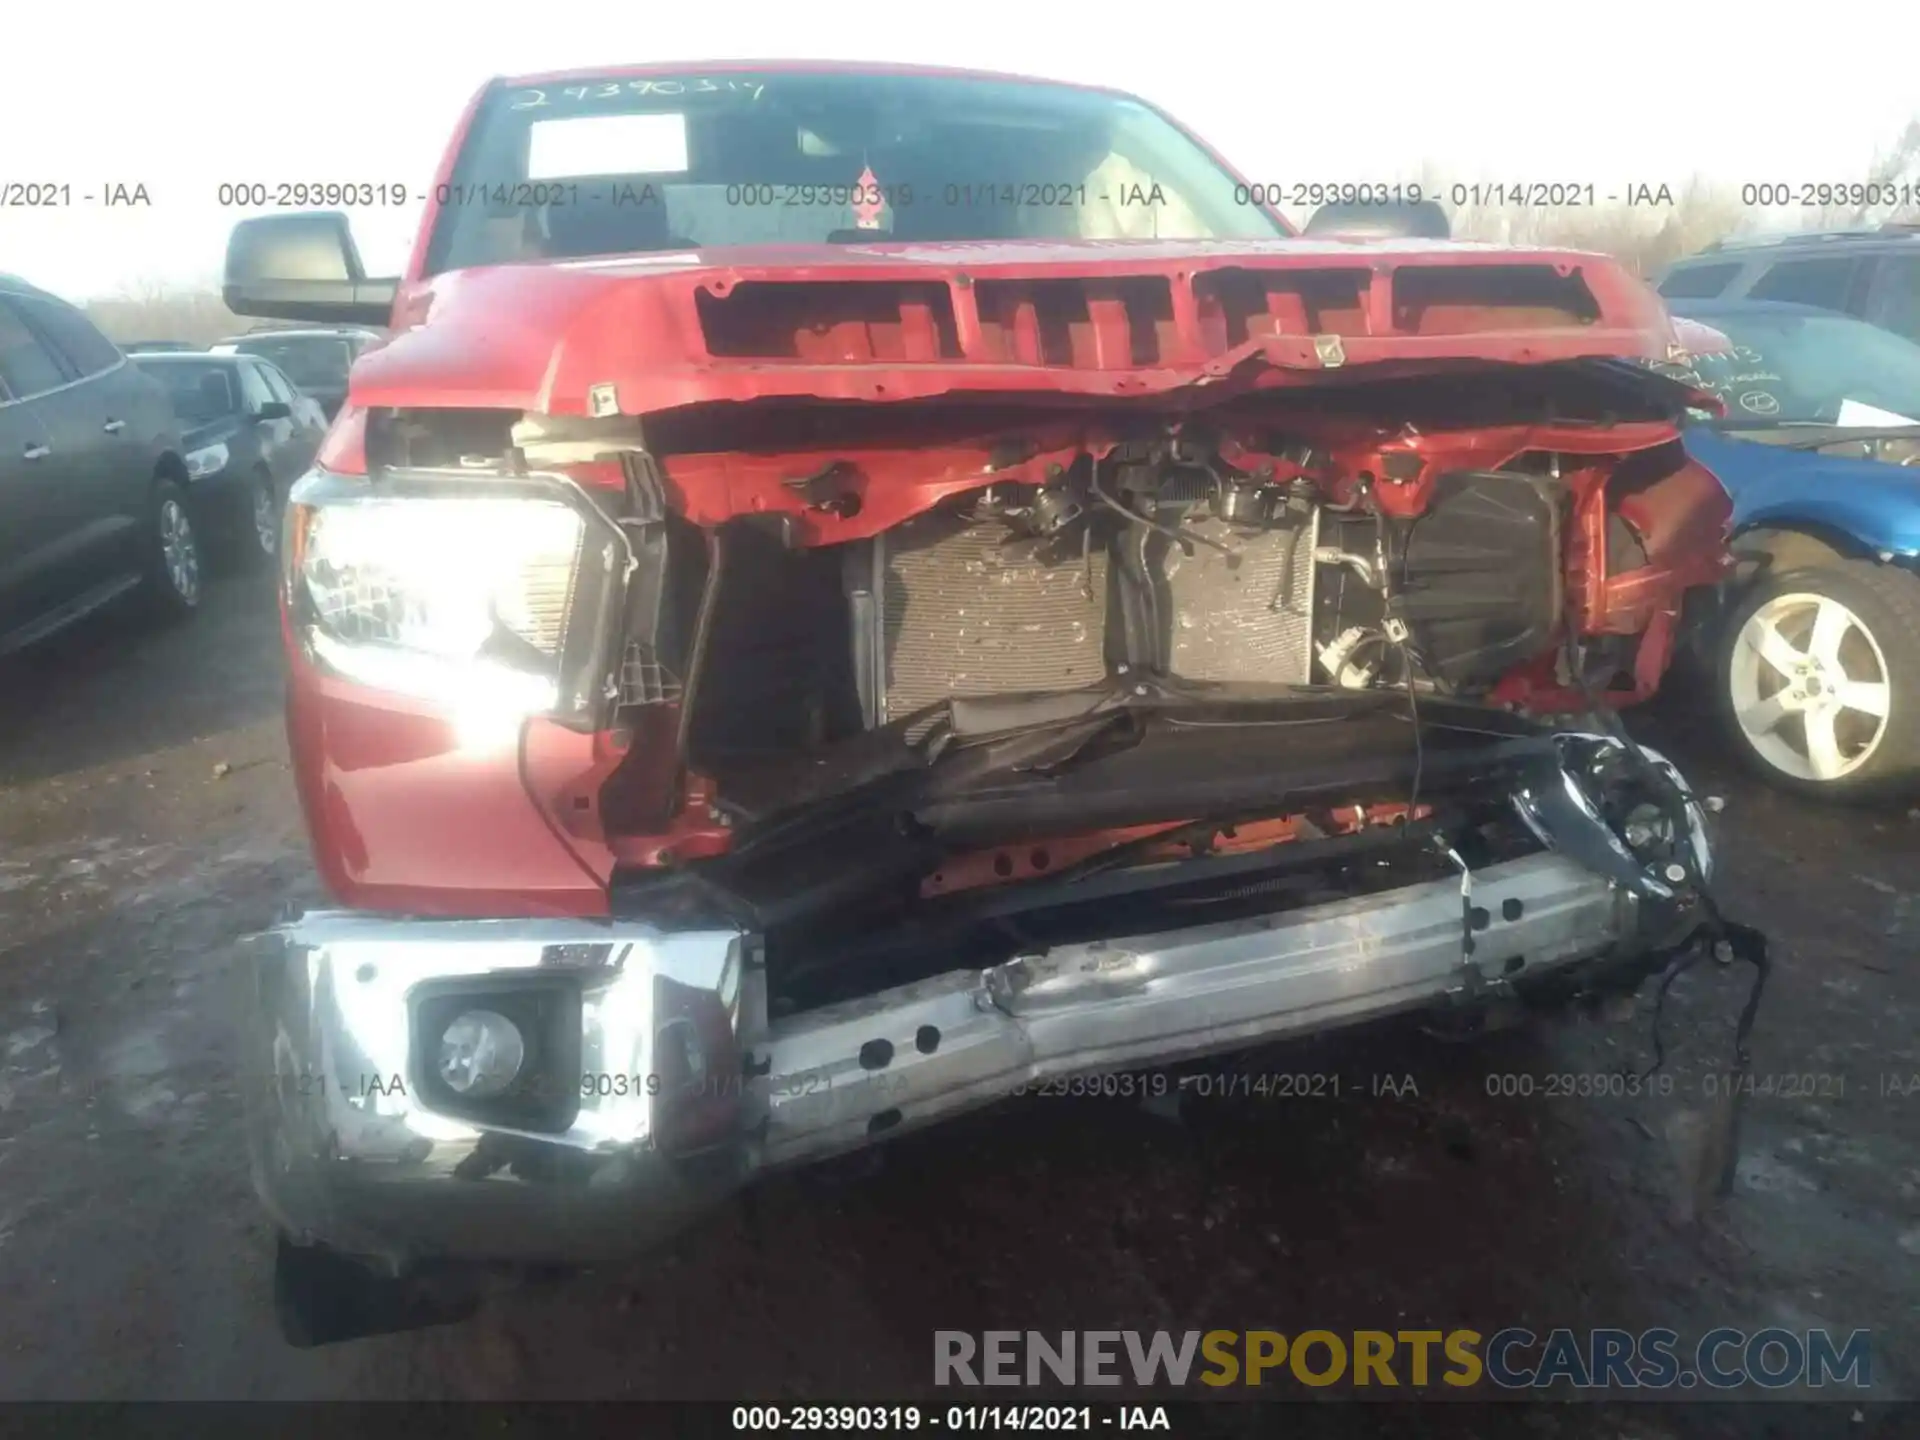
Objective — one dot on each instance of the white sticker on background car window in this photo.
(607, 145)
(1858, 412)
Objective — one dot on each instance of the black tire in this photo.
(245, 546)
(321, 1297)
(1885, 604)
(173, 561)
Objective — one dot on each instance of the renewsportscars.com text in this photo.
(1506, 1359)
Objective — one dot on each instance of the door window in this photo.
(27, 367)
(1830, 282)
(313, 362)
(253, 387)
(1896, 301)
(276, 383)
(1698, 282)
(88, 352)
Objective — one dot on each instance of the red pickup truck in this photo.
(853, 591)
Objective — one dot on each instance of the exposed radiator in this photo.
(963, 613)
(1235, 623)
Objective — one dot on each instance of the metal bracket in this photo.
(1472, 971)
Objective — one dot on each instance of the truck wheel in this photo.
(173, 562)
(1819, 679)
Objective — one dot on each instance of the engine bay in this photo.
(816, 590)
(1125, 566)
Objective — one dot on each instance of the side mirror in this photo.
(274, 410)
(302, 267)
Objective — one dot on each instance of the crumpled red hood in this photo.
(890, 322)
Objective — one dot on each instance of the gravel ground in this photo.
(147, 824)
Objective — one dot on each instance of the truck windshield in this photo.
(677, 162)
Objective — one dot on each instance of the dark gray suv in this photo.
(1871, 274)
(92, 481)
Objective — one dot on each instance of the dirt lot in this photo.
(147, 824)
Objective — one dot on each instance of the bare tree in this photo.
(149, 309)
(1647, 238)
(1701, 213)
(1877, 200)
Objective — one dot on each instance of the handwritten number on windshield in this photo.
(615, 90)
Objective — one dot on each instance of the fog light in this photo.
(481, 1053)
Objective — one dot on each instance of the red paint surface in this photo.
(1005, 864)
(404, 818)
(892, 322)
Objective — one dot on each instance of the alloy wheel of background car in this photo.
(1818, 674)
(173, 556)
(1808, 657)
(266, 520)
(180, 551)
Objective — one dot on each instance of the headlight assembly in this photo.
(485, 597)
(1655, 814)
(1639, 823)
(207, 460)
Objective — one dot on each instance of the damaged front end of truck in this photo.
(785, 774)
(749, 709)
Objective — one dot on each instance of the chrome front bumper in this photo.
(688, 1089)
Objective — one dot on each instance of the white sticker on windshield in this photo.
(607, 145)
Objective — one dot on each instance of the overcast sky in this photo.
(182, 97)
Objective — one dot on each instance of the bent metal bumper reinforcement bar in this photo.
(663, 1086)
(1104, 1005)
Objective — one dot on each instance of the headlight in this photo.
(492, 605)
(207, 460)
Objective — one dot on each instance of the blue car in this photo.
(1816, 660)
